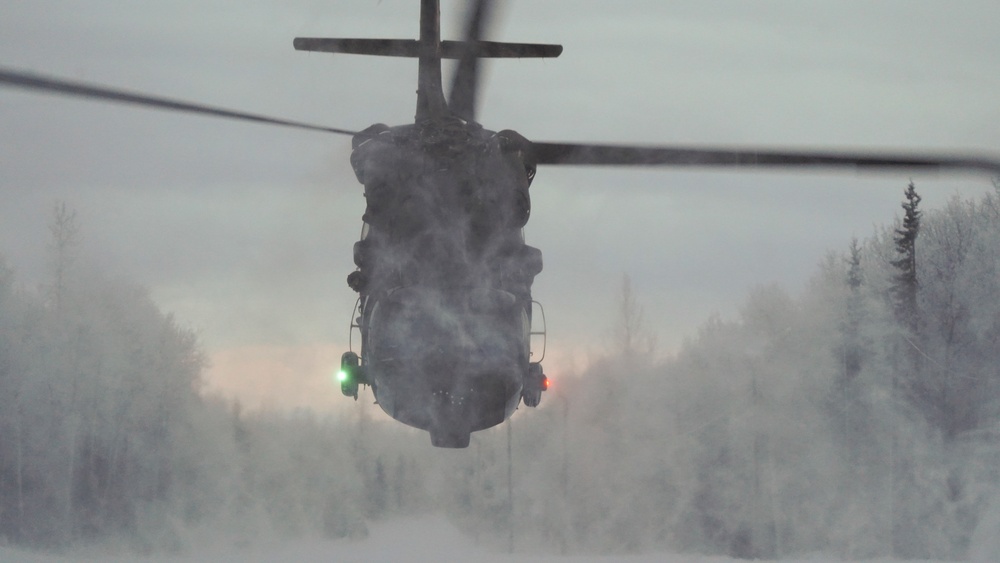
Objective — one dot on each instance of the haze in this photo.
(244, 232)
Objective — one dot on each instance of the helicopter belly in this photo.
(448, 362)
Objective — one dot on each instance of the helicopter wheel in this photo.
(534, 384)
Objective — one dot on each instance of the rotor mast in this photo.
(430, 95)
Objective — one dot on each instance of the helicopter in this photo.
(444, 341)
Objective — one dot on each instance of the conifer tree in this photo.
(904, 289)
(64, 230)
(855, 312)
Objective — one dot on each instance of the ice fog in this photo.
(856, 418)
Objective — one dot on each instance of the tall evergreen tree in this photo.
(906, 369)
(904, 289)
(64, 230)
(855, 311)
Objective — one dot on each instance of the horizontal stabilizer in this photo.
(413, 48)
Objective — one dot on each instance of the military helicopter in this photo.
(443, 273)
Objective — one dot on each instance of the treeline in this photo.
(860, 418)
(97, 394)
(106, 439)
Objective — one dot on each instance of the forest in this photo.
(858, 416)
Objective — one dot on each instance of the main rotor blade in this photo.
(32, 81)
(465, 84)
(628, 155)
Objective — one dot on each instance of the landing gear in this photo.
(534, 383)
(352, 374)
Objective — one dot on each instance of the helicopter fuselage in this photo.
(444, 275)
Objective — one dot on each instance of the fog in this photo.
(763, 389)
(406, 539)
(841, 418)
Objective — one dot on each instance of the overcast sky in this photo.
(245, 231)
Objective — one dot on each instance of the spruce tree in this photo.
(904, 288)
(855, 312)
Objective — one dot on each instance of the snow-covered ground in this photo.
(424, 539)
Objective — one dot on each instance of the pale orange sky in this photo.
(277, 377)
(283, 378)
